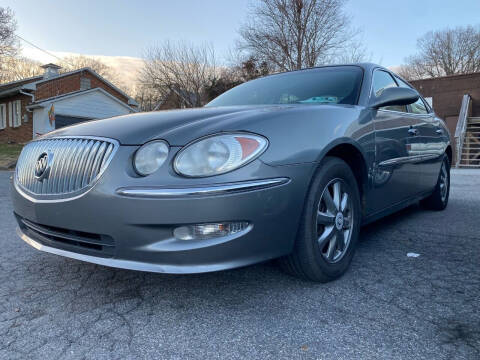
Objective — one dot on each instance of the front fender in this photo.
(312, 133)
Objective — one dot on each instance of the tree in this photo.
(294, 34)
(446, 52)
(74, 62)
(17, 68)
(182, 68)
(8, 40)
(408, 72)
(147, 97)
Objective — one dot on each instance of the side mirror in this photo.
(395, 96)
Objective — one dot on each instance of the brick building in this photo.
(446, 95)
(34, 106)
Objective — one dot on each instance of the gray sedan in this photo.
(288, 166)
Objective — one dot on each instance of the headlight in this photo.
(218, 154)
(150, 157)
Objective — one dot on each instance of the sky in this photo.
(126, 28)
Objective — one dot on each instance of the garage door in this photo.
(62, 121)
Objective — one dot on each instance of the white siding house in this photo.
(75, 107)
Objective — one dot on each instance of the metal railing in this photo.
(461, 127)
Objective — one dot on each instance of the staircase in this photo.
(471, 144)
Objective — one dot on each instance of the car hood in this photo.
(179, 127)
(176, 126)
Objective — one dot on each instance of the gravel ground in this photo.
(388, 305)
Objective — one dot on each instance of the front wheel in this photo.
(439, 198)
(330, 225)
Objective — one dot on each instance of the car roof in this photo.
(364, 65)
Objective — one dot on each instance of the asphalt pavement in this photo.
(388, 306)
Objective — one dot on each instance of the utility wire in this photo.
(39, 48)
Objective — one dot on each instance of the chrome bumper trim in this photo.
(135, 265)
(221, 189)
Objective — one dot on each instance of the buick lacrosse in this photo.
(288, 166)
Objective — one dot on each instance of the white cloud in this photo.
(126, 67)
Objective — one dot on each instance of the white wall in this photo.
(94, 105)
(41, 124)
(91, 105)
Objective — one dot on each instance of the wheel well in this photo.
(449, 154)
(353, 157)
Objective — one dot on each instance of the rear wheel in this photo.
(439, 198)
(330, 225)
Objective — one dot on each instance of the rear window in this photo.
(329, 85)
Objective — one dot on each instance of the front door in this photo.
(429, 143)
(397, 168)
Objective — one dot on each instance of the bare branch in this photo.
(8, 41)
(293, 34)
(446, 52)
(181, 68)
(74, 62)
(17, 68)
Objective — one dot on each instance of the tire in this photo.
(439, 198)
(314, 257)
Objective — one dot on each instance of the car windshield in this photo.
(328, 85)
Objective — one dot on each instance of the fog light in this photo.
(209, 231)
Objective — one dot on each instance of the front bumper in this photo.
(137, 230)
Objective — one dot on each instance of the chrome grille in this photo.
(74, 164)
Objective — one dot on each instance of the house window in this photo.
(3, 116)
(85, 83)
(16, 113)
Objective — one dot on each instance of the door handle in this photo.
(412, 132)
(439, 131)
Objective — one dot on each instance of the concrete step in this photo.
(470, 162)
(469, 166)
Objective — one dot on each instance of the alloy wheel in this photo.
(334, 220)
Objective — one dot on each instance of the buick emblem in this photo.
(42, 166)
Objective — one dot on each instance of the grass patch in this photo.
(9, 153)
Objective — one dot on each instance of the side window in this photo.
(17, 113)
(419, 107)
(85, 83)
(402, 83)
(381, 81)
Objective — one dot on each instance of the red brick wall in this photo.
(58, 86)
(71, 83)
(24, 132)
(447, 93)
(97, 83)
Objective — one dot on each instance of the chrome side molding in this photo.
(210, 190)
(408, 160)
